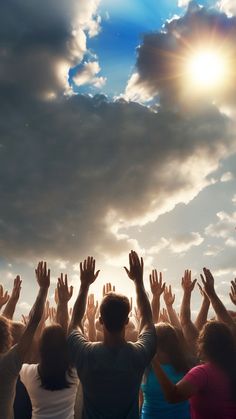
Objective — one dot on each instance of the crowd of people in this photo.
(110, 360)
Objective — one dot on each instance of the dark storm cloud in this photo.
(161, 55)
(72, 168)
(65, 165)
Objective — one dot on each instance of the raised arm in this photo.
(169, 299)
(4, 297)
(64, 294)
(135, 273)
(157, 288)
(87, 277)
(43, 279)
(203, 312)
(232, 294)
(220, 310)
(189, 330)
(91, 315)
(10, 307)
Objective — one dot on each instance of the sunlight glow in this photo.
(207, 69)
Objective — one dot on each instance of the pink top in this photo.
(213, 398)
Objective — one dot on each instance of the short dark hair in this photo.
(114, 311)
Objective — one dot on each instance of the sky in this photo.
(111, 140)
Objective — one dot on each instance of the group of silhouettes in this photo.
(110, 360)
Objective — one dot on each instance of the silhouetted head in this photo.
(216, 344)
(5, 334)
(17, 330)
(169, 344)
(114, 312)
(54, 359)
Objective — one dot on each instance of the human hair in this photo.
(114, 311)
(169, 343)
(216, 344)
(5, 335)
(17, 330)
(54, 360)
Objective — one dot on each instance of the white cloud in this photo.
(88, 75)
(226, 177)
(227, 6)
(136, 91)
(184, 242)
(224, 227)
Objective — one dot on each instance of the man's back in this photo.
(111, 375)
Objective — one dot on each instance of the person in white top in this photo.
(51, 384)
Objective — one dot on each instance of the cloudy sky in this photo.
(117, 133)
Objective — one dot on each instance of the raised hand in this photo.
(91, 308)
(4, 296)
(64, 292)
(169, 298)
(56, 296)
(52, 315)
(135, 271)
(16, 288)
(156, 285)
(202, 291)
(232, 294)
(163, 317)
(208, 282)
(87, 271)
(43, 275)
(187, 284)
(108, 288)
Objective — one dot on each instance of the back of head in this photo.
(5, 334)
(17, 330)
(216, 344)
(114, 311)
(54, 359)
(169, 344)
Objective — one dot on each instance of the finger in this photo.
(71, 291)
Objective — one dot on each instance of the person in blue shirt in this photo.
(174, 362)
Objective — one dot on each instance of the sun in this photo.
(206, 69)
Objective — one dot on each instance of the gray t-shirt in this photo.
(10, 365)
(111, 376)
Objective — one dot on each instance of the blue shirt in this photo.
(155, 405)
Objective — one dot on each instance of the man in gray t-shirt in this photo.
(111, 371)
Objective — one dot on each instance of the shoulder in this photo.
(198, 376)
(146, 345)
(11, 361)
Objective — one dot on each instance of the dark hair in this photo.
(5, 334)
(216, 343)
(54, 359)
(169, 343)
(114, 311)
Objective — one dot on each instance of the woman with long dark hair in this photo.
(173, 360)
(211, 386)
(51, 384)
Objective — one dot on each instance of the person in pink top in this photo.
(210, 387)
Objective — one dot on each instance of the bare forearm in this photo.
(79, 308)
(155, 308)
(202, 315)
(92, 334)
(36, 315)
(173, 317)
(185, 312)
(143, 306)
(168, 388)
(62, 315)
(9, 309)
(221, 311)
